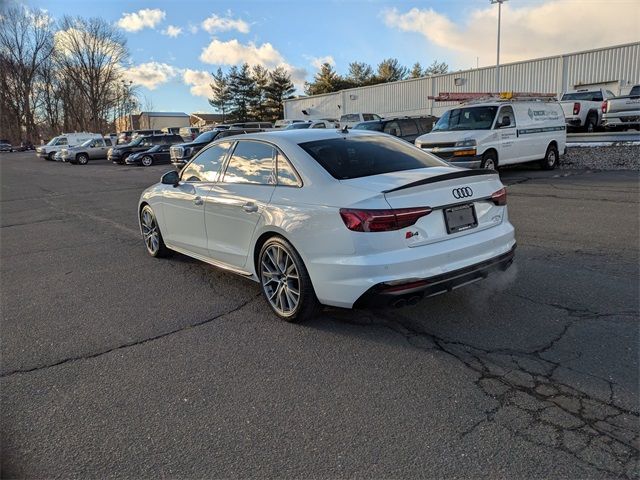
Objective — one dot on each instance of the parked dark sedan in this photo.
(406, 128)
(119, 153)
(154, 156)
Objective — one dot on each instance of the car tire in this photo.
(146, 161)
(82, 159)
(489, 160)
(590, 123)
(151, 235)
(551, 158)
(50, 156)
(280, 264)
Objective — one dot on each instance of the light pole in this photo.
(499, 2)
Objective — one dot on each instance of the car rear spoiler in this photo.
(443, 178)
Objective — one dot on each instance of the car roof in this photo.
(303, 135)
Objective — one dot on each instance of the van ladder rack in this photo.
(476, 97)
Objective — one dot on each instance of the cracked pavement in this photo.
(117, 365)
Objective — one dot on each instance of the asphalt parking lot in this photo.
(115, 364)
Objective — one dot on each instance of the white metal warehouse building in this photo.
(616, 68)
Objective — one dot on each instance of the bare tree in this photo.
(89, 52)
(25, 45)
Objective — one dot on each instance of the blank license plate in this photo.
(460, 217)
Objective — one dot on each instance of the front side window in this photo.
(362, 156)
(251, 162)
(319, 125)
(506, 118)
(206, 165)
(98, 142)
(470, 118)
(392, 128)
(286, 174)
(62, 141)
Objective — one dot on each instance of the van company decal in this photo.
(537, 115)
(525, 131)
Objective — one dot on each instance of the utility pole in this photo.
(499, 2)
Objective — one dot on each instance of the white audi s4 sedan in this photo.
(328, 217)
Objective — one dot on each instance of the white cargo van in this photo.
(493, 132)
(64, 141)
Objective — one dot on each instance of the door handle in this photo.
(250, 207)
(198, 201)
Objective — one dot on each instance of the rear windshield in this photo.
(206, 136)
(586, 96)
(356, 157)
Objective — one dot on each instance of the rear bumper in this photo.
(573, 121)
(342, 280)
(621, 119)
(385, 294)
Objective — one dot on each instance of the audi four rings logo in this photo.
(464, 192)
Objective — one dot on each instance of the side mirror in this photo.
(170, 178)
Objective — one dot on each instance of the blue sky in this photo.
(172, 71)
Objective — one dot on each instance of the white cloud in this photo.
(193, 28)
(151, 74)
(145, 18)
(200, 82)
(172, 31)
(527, 32)
(233, 52)
(318, 61)
(216, 23)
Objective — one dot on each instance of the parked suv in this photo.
(182, 153)
(5, 146)
(406, 128)
(119, 154)
(92, 149)
(583, 107)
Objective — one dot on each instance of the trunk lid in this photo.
(454, 194)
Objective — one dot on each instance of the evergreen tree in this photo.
(416, 71)
(279, 88)
(221, 95)
(242, 88)
(258, 107)
(390, 70)
(325, 81)
(360, 74)
(436, 68)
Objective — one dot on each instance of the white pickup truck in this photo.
(622, 112)
(583, 107)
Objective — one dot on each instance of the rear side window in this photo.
(409, 127)
(425, 124)
(356, 157)
(251, 162)
(205, 166)
(286, 174)
(108, 142)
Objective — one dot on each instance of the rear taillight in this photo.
(381, 220)
(604, 107)
(576, 108)
(500, 197)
